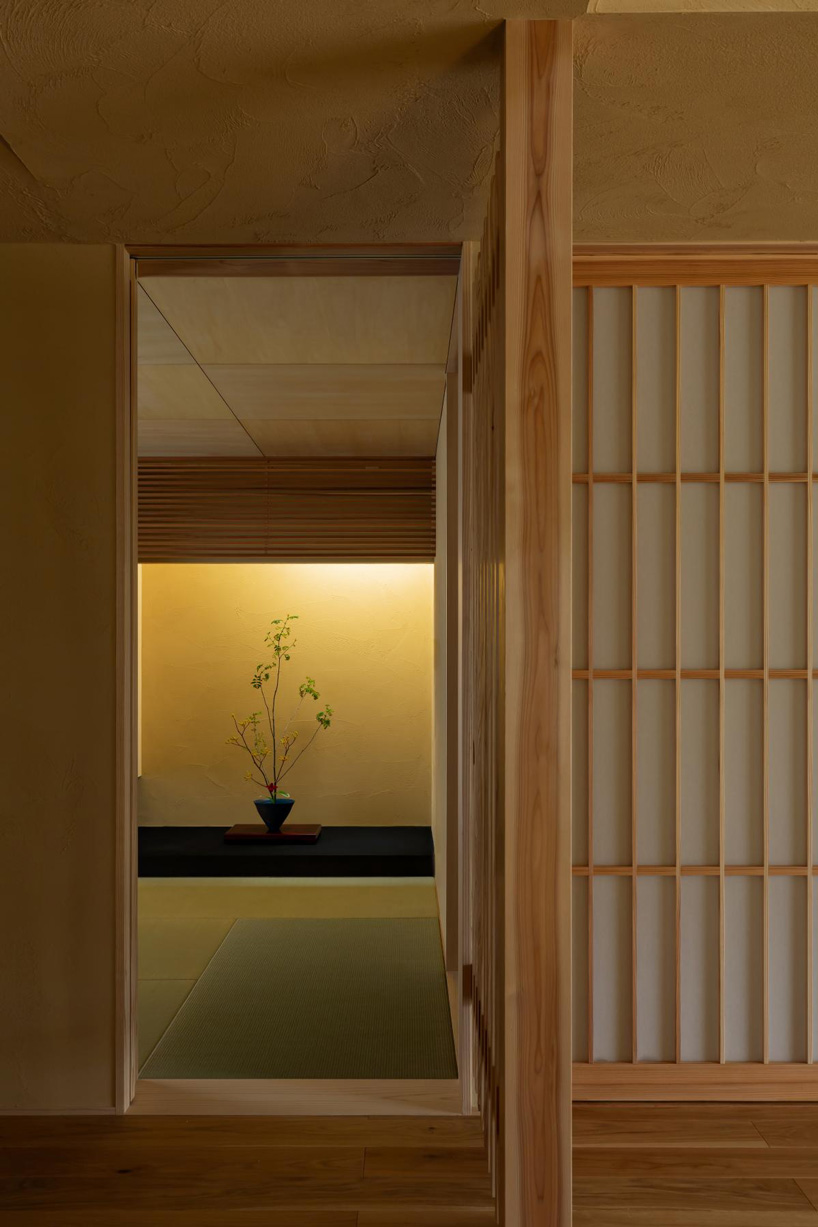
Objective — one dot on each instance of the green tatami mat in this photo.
(315, 999)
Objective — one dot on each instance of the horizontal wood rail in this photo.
(699, 675)
(661, 264)
(693, 871)
(733, 1081)
(669, 479)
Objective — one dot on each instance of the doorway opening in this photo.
(294, 453)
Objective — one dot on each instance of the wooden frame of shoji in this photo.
(632, 268)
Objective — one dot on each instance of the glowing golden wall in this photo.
(364, 633)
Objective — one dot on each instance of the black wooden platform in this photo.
(351, 852)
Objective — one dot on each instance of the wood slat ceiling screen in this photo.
(266, 509)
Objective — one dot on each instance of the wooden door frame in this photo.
(224, 1096)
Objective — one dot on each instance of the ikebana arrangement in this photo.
(265, 738)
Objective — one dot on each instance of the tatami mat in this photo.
(310, 998)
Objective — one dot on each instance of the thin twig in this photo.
(301, 752)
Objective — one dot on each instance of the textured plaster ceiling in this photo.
(356, 120)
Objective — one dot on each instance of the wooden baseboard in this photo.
(692, 1081)
(296, 1097)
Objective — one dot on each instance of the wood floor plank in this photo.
(252, 1190)
(229, 1131)
(666, 1124)
(810, 1189)
(689, 1163)
(244, 1164)
(785, 1128)
(427, 1164)
(700, 1194)
(427, 1218)
(744, 1217)
(107, 1217)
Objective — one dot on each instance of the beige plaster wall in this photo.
(237, 122)
(57, 519)
(364, 633)
(695, 127)
(242, 121)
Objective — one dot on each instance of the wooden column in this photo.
(535, 1074)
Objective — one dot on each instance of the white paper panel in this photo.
(744, 757)
(700, 969)
(744, 577)
(612, 768)
(579, 570)
(788, 772)
(579, 407)
(656, 576)
(656, 969)
(788, 576)
(700, 379)
(579, 969)
(788, 969)
(700, 773)
(743, 969)
(612, 380)
(656, 769)
(743, 379)
(612, 577)
(579, 772)
(788, 379)
(700, 576)
(613, 969)
(656, 379)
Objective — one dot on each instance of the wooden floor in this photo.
(663, 1165)
(696, 1165)
(209, 1171)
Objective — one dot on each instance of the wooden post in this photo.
(535, 1074)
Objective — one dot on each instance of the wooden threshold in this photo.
(296, 1097)
(689, 1081)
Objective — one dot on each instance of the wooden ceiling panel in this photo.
(327, 392)
(296, 320)
(155, 339)
(178, 392)
(345, 437)
(191, 437)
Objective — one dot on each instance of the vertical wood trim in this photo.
(125, 732)
(454, 394)
(722, 686)
(634, 688)
(467, 1055)
(535, 1188)
(590, 675)
(810, 665)
(678, 687)
(766, 669)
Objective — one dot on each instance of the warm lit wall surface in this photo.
(364, 633)
(57, 826)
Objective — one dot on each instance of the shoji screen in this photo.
(693, 841)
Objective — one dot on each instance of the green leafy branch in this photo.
(273, 760)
